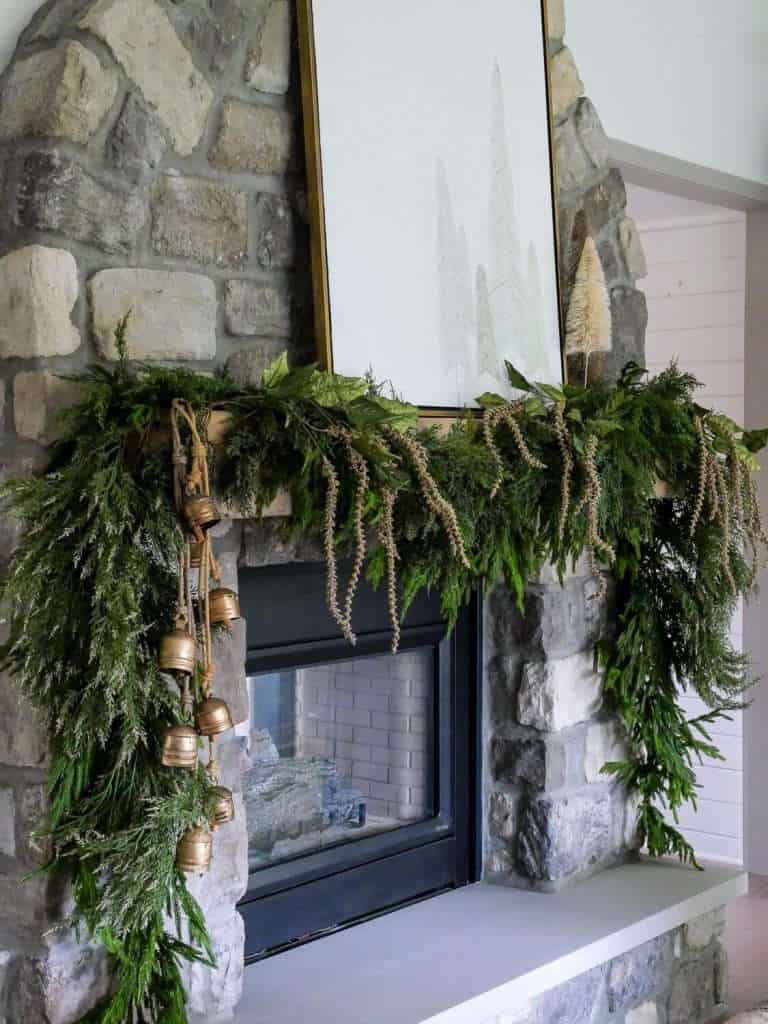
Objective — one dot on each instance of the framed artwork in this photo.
(428, 137)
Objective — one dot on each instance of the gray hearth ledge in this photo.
(483, 954)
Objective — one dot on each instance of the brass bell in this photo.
(178, 652)
(201, 512)
(224, 605)
(195, 555)
(223, 807)
(179, 747)
(193, 853)
(212, 717)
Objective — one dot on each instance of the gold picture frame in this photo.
(321, 290)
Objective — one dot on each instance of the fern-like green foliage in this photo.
(91, 589)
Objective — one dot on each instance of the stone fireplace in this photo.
(149, 161)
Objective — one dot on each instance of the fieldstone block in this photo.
(7, 822)
(268, 68)
(502, 814)
(606, 741)
(564, 836)
(610, 259)
(556, 19)
(255, 139)
(575, 1002)
(246, 367)
(195, 219)
(632, 248)
(253, 309)
(229, 657)
(38, 400)
(605, 201)
(273, 230)
(556, 621)
(22, 742)
(591, 133)
(14, 465)
(571, 162)
(702, 930)
(215, 35)
(173, 315)
(38, 291)
(32, 806)
(567, 87)
(543, 762)
(63, 92)
(646, 1013)
(641, 973)
(56, 194)
(694, 994)
(136, 144)
(144, 42)
(629, 311)
(557, 694)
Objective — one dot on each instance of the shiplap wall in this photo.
(695, 290)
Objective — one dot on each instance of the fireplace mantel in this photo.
(479, 954)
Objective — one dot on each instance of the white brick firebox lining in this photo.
(467, 955)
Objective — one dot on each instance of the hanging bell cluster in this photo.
(190, 643)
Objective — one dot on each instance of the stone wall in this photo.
(680, 977)
(150, 161)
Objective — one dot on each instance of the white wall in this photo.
(695, 291)
(14, 16)
(686, 78)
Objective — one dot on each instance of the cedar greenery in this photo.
(551, 476)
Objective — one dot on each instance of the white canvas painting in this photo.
(437, 188)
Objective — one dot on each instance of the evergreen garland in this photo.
(555, 474)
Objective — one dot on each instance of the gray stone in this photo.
(556, 621)
(503, 811)
(556, 19)
(524, 759)
(136, 144)
(53, 18)
(273, 231)
(256, 139)
(560, 837)
(56, 194)
(214, 993)
(199, 220)
(246, 367)
(35, 849)
(632, 248)
(605, 201)
(7, 821)
(571, 162)
(575, 1002)
(694, 995)
(268, 68)
(639, 974)
(566, 86)
(611, 260)
(38, 291)
(591, 132)
(14, 465)
(606, 741)
(39, 397)
(229, 662)
(252, 309)
(215, 33)
(173, 315)
(702, 930)
(266, 543)
(630, 320)
(144, 42)
(557, 694)
(62, 92)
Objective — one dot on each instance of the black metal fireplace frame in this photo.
(313, 895)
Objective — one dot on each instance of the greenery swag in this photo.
(550, 476)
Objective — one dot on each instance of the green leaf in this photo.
(276, 372)
(551, 392)
(755, 440)
(516, 379)
(489, 400)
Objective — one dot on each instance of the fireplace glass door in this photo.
(358, 767)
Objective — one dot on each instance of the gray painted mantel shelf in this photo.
(481, 951)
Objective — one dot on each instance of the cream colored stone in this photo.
(567, 87)
(269, 59)
(632, 247)
(606, 741)
(556, 19)
(145, 43)
(173, 315)
(646, 1014)
(38, 291)
(557, 694)
(64, 92)
(38, 400)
